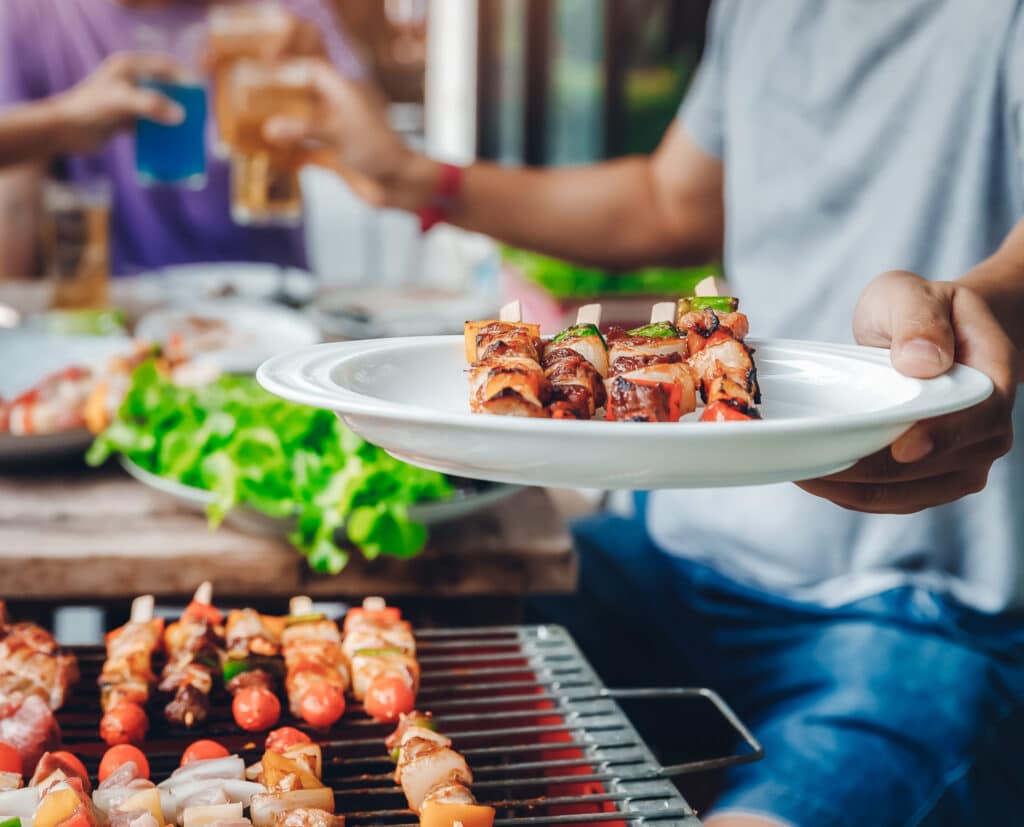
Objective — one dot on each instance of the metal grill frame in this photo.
(473, 680)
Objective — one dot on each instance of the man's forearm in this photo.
(32, 132)
(666, 208)
(1000, 281)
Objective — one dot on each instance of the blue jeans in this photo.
(901, 710)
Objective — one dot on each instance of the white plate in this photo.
(826, 406)
(219, 279)
(28, 356)
(258, 330)
(255, 522)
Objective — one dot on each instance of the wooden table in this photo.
(78, 534)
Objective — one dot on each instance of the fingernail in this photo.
(912, 447)
(923, 351)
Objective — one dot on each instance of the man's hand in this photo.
(349, 133)
(110, 100)
(928, 326)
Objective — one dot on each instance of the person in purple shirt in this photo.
(47, 47)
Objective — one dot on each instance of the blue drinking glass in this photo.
(174, 154)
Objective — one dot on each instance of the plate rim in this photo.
(308, 368)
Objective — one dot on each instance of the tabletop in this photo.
(82, 534)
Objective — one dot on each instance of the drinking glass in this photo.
(174, 154)
(76, 242)
(234, 32)
(166, 154)
(265, 186)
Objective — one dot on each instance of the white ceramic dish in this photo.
(185, 283)
(254, 330)
(826, 406)
(254, 522)
(27, 357)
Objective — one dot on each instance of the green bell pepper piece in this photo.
(659, 330)
(234, 668)
(577, 332)
(722, 304)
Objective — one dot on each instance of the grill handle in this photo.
(667, 693)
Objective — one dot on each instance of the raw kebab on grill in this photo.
(35, 679)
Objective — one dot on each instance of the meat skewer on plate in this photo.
(721, 359)
(253, 643)
(317, 671)
(128, 674)
(194, 645)
(382, 652)
(505, 374)
(434, 777)
(575, 362)
(649, 379)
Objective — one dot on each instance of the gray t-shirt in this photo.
(858, 136)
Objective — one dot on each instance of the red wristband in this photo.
(444, 197)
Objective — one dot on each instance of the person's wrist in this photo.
(64, 111)
(413, 183)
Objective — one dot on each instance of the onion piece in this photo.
(230, 767)
(201, 816)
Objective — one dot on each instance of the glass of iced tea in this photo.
(265, 181)
(237, 31)
(76, 242)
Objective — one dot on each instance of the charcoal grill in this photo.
(548, 743)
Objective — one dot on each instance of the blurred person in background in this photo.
(47, 47)
(868, 625)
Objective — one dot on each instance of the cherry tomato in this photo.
(255, 708)
(322, 705)
(286, 737)
(388, 698)
(72, 763)
(202, 750)
(123, 724)
(10, 759)
(121, 754)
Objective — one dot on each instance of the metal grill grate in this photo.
(547, 742)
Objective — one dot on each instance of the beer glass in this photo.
(234, 32)
(265, 181)
(76, 242)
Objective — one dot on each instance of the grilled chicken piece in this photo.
(707, 321)
(657, 393)
(490, 339)
(509, 386)
(30, 727)
(577, 387)
(247, 632)
(449, 792)
(370, 665)
(387, 636)
(312, 655)
(629, 351)
(31, 663)
(723, 355)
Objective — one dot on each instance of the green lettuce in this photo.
(250, 448)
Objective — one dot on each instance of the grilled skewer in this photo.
(505, 374)
(650, 380)
(721, 359)
(575, 362)
(128, 673)
(193, 652)
(434, 777)
(382, 653)
(317, 671)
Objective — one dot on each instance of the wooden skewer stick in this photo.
(589, 314)
(374, 604)
(712, 286)
(663, 312)
(142, 609)
(204, 594)
(511, 312)
(300, 605)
